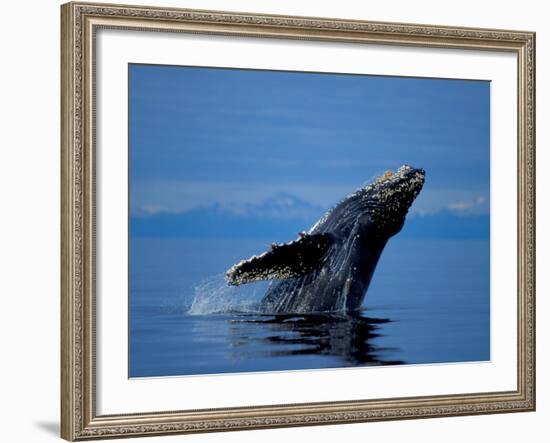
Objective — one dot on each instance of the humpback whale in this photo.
(329, 267)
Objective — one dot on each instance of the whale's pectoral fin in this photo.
(286, 260)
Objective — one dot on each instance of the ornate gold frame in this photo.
(79, 21)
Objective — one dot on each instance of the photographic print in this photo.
(300, 220)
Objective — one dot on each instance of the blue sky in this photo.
(204, 136)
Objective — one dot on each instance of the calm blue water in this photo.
(428, 303)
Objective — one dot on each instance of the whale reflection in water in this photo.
(346, 337)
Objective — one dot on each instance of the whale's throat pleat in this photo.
(286, 260)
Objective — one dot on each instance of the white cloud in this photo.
(460, 206)
(475, 206)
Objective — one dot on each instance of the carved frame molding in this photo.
(79, 24)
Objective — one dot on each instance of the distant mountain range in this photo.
(281, 217)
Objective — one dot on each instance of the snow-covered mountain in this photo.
(283, 215)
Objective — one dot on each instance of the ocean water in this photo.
(428, 302)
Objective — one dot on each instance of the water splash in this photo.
(214, 296)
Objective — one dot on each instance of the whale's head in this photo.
(388, 198)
